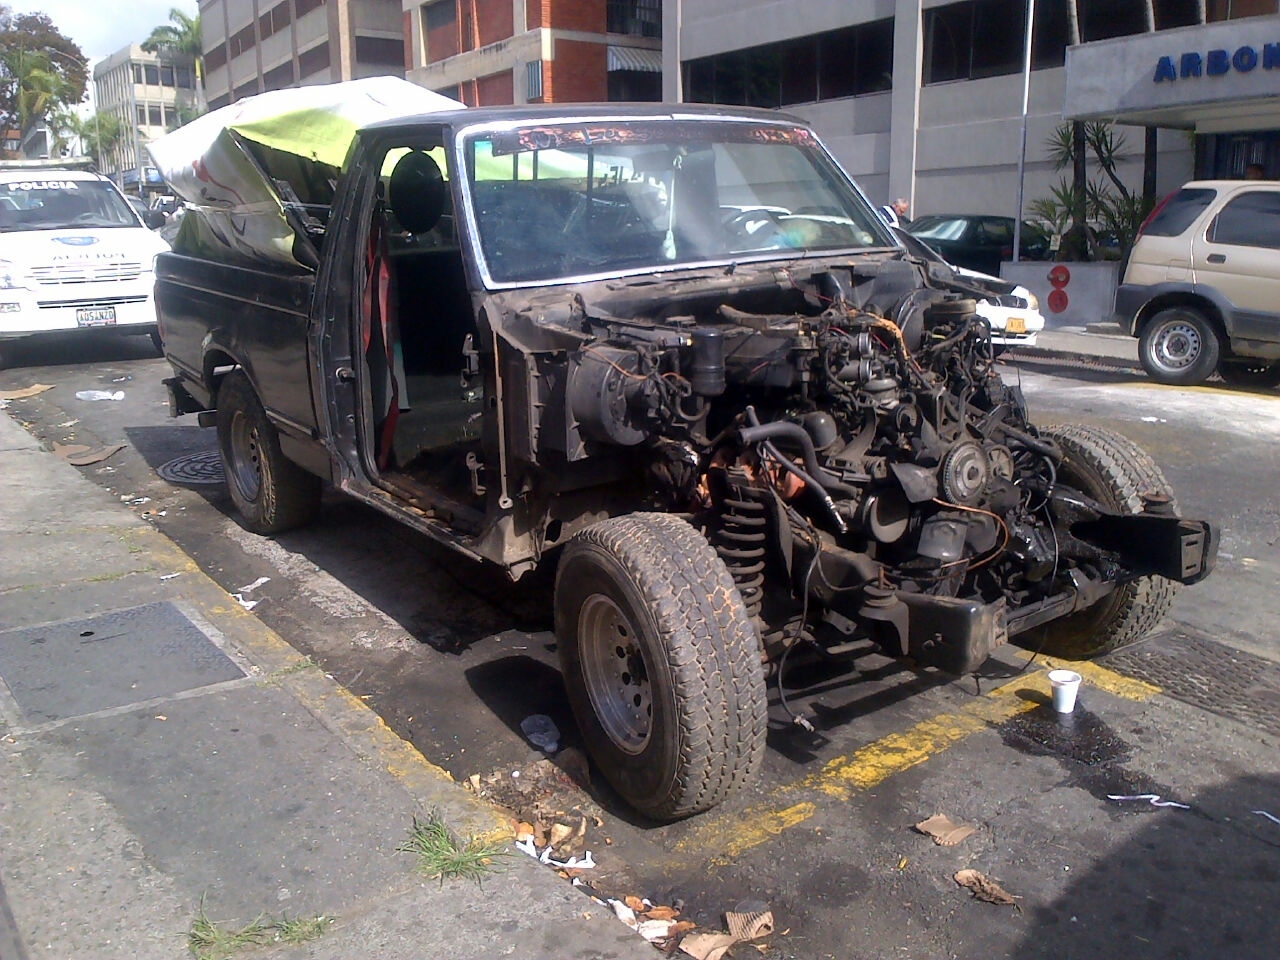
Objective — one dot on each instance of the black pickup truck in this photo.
(675, 351)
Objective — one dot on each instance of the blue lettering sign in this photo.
(1270, 56)
(1245, 59)
(1190, 65)
(1217, 63)
(1165, 70)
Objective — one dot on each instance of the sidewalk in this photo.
(164, 754)
(1100, 343)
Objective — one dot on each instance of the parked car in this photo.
(674, 351)
(74, 255)
(979, 242)
(1012, 310)
(1201, 291)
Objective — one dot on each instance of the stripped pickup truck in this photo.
(671, 349)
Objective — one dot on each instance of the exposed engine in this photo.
(863, 471)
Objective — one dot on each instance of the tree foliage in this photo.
(1110, 209)
(178, 39)
(41, 71)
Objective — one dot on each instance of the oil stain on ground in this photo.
(1093, 755)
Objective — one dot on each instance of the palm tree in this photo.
(180, 39)
(40, 90)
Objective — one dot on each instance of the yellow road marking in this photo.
(871, 765)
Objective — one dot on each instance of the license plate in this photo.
(1015, 325)
(95, 316)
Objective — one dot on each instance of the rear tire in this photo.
(1116, 472)
(1179, 346)
(1250, 374)
(662, 664)
(271, 492)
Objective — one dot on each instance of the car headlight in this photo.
(1032, 302)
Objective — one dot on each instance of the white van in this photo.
(73, 253)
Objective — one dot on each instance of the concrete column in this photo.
(904, 100)
(672, 72)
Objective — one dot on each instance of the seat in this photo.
(416, 193)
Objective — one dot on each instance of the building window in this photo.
(137, 72)
(246, 89)
(155, 116)
(275, 19)
(217, 57)
(442, 14)
(637, 18)
(151, 74)
(142, 115)
(1236, 9)
(302, 7)
(166, 75)
(848, 62)
(220, 101)
(313, 60)
(984, 38)
(241, 42)
(1176, 13)
(380, 51)
(278, 77)
(185, 77)
(1104, 19)
(533, 77)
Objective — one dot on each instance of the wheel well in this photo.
(1200, 304)
(216, 364)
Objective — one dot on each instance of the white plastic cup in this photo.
(1066, 684)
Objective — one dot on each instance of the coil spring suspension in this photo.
(740, 539)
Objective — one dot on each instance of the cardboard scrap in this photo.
(707, 946)
(25, 392)
(80, 455)
(945, 831)
(748, 926)
(985, 889)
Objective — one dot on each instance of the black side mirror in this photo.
(154, 219)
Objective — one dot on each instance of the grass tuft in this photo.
(443, 855)
(210, 940)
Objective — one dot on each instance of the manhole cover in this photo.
(61, 670)
(1208, 675)
(194, 468)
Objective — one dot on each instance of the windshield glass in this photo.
(554, 202)
(52, 203)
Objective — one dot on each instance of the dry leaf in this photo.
(634, 902)
(748, 926)
(945, 831)
(707, 946)
(25, 392)
(560, 833)
(682, 926)
(473, 782)
(662, 913)
(984, 888)
(524, 831)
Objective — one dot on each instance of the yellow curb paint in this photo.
(749, 829)
(1114, 683)
(876, 762)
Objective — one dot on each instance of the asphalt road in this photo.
(453, 656)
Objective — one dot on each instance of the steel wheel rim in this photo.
(616, 674)
(1177, 345)
(246, 463)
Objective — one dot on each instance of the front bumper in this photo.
(82, 306)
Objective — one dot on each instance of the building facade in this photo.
(252, 46)
(150, 95)
(923, 99)
(494, 52)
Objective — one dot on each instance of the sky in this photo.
(101, 27)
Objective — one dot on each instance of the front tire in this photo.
(1116, 472)
(662, 664)
(1179, 346)
(271, 492)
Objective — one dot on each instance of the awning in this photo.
(641, 59)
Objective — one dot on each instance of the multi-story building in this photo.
(151, 94)
(488, 52)
(252, 46)
(923, 99)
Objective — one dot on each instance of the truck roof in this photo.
(548, 112)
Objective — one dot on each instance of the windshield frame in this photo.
(465, 135)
